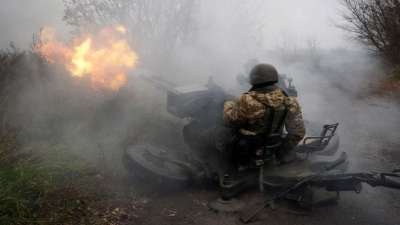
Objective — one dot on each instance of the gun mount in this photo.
(203, 102)
(200, 100)
(202, 105)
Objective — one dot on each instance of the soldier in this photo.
(253, 124)
(260, 115)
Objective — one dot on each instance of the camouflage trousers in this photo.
(222, 138)
(229, 142)
(226, 141)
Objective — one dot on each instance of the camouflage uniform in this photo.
(248, 113)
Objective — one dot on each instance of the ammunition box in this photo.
(179, 97)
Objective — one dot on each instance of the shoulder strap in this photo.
(284, 116)
(277, 117)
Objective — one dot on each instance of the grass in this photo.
(395, 73)
(389, 85)
(47, 183)
(44, 183)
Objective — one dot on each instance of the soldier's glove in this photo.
(280, 153)
(279, 157)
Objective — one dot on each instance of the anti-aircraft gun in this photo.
(310, 176)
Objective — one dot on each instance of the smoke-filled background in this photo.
(184, 42)
(52, 96)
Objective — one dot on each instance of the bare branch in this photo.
(375, 24)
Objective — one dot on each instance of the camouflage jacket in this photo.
(248, 112)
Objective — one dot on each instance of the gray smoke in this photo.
(330, 80)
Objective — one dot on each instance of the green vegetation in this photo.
(44, 183)
(57, 143)
(390, 85)
(395, 73)
(40, 182)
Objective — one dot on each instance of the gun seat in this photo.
(314, 144)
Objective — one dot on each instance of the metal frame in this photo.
(319, 142)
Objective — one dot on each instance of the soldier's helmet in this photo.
(263, 73)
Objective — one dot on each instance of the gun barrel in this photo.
(352, 181)
(159, 82)
(345, 183)
(391, 182)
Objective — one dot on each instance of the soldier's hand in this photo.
(278, 158)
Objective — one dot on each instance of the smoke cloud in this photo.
(329, 78)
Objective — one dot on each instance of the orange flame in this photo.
(105, 58)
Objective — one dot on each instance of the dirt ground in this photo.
(369, 132)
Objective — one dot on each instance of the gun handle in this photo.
(337, 162)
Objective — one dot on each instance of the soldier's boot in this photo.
(257, 159)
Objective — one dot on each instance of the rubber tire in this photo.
(165, 176)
